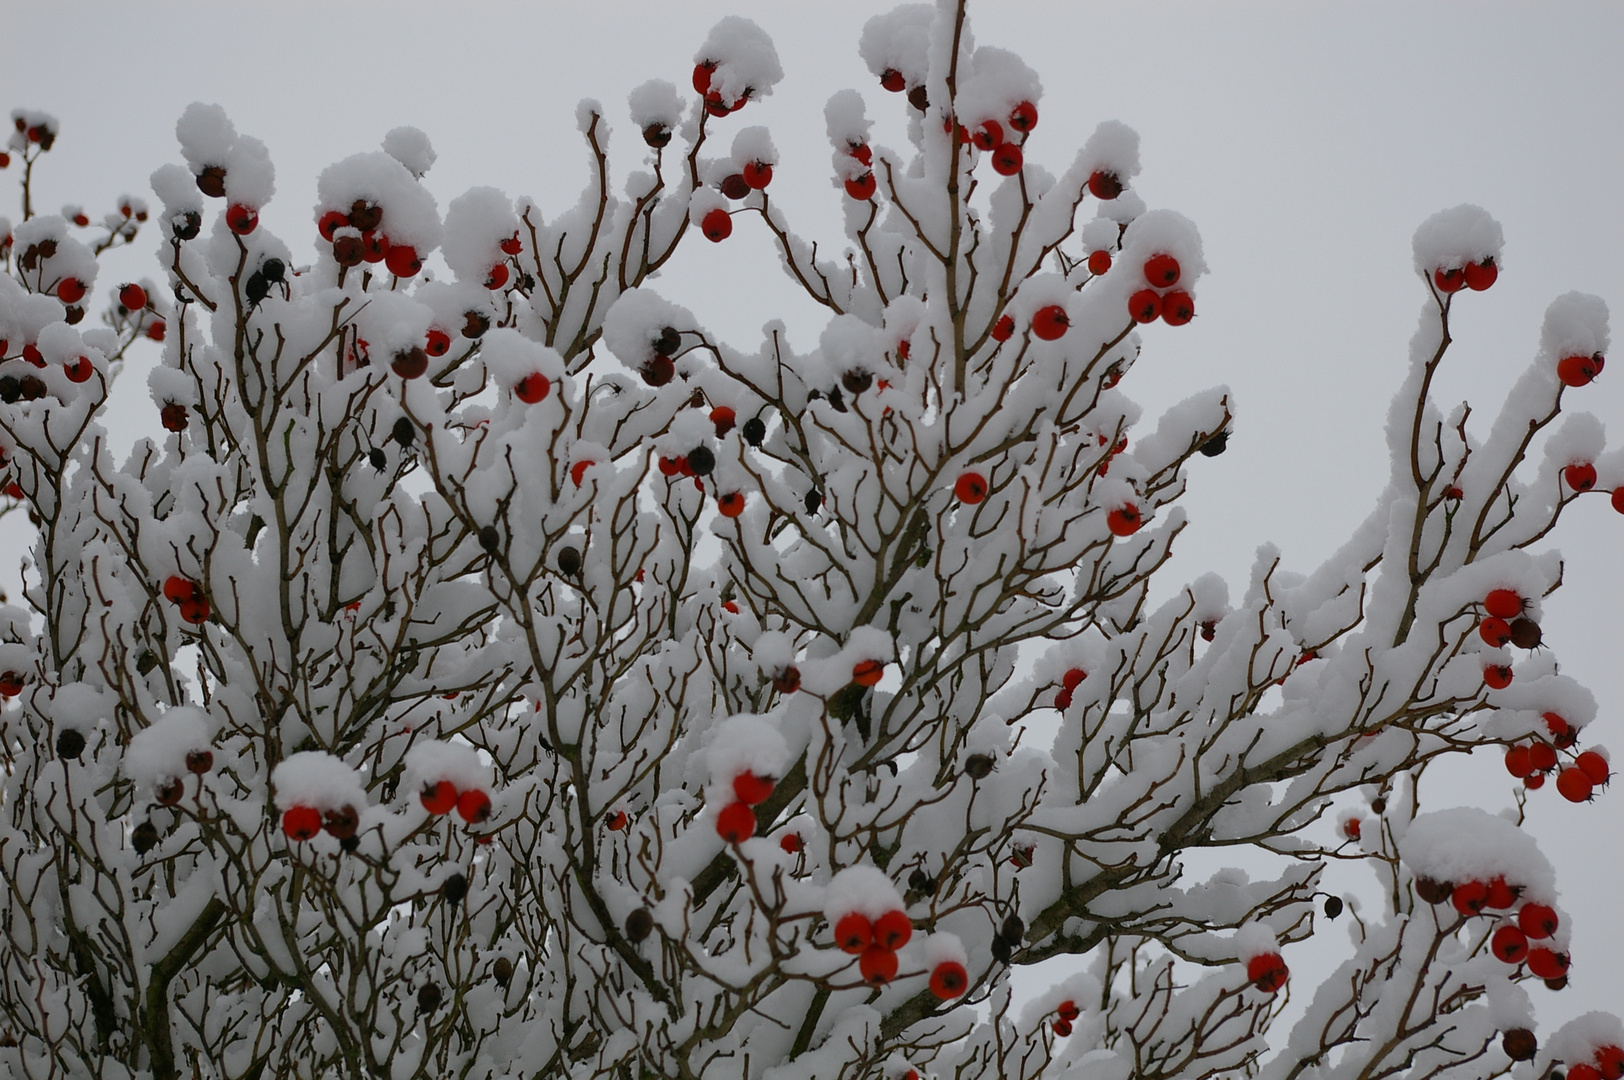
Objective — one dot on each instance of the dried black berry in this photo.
(429, 998)
(701, 460)
(489, 538)
(274, 270)
(10, 389)
(365, 216)
(639, 924)
(257, 288)
(474, 324)
(349, 843)
(668, 342)
(658, 371)
(69, 743)
(918, 881)
(454, 888)
(657, 136)
(73, 314)
(918, 98)
(144, 837)
(146, 661)
(342, 823)
(569, 561)
(186, 226)
(1013, 929)
(814, 499)
(856, 381)
(1002, 949)
(502, 971)
(404, 433)
(1519, 1044)
(837, 400)
(1525, 633)
(199, 762)
(1215, 445)
(754, 430)
(1378, 805)
(33, 387)
(212, 181)
(377, 459)
(1433, 892)
(977, 766)
(1333, 906)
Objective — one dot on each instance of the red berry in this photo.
(1124, 520)
(702, 76)
(410, 363)
(1517, 762)
(177, 588)
(1618, 499)
(402, 260)
(1542, 756)
(532, 388)
(751, 789)
(731, 505)
(132, 296)
(658, 370)
(437, 342)
(241, 219)
(1562, 733)
(1494, 631)
(375, 247)
(174, 417)
(861, 151)
(1104, 185)
(1576, 370)
(616, 821)
(878, 966)
(1062, 1028)
(1501, 895)
(156, 330)
(1497, 676)
(949, 980)
(195, 610)
(988, 136)
(970, 488)
(474, 806)
(1538, 921)
(1062, 699)
(32, 354)
(301, 823)
(734, 187)
(1547, 963)
(81, 219)
(1610, 1062)
(1534, 781)
(892, 930)
(329, 224)
(1593, 765)
(1574, 785)
(668, 467)
(1268, 972)
(1024, 117)
(1099, 262)
(717, 225)
(1145, 306)
(578, 470)
(1073, 678)
(854, 933)
(512, 245)
(199, 762)
(1177, 308)
(757, 174)
(1068, 1010)
(11, 684)
(1509, 944)
(736, 823)
(1050, 323)
(1580, 477)
(1004, 329)
(440, 797)
(70, 290)
(790, 842)
(862, 187)
(1470, 897)
(724, 419)
(867, 672)
(1582, 1071)
(1007, 159)
(497, 277)
(891, 79)
(1480, 275)
(1162, 271)
(1351, 828)
(1503, 603)
(1449, 281)
(81, 370)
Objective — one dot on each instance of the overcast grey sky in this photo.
(1307, 141)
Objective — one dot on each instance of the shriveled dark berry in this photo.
(274, 270)
(669, 341)
(657, 136)
(342, 823)
(73, 314)
(1525, 633)
(429, 998)
(199, 762)
(1433, 892)
(639, 924)
(1519, 1044)
(146, 661)
(377, 459)
(1215, 445)
(917, 881)
(187, 225)
(69, 743)
(754, 430)
(502, 971)
(474, 324)
(701, 460)
(490, 538)
(144, 837)
(1002, 949)
(814, 499)
(10, 389)
(212, 181)
(856, 381)
(365, 216)
(918, 98)
(349, 843)
(256, 288)
(1378, 805)
(978, 766)
(1333, 906)
(569, 561)
(837, 400)
(404, 432)
(1013, 929)
(454, 888)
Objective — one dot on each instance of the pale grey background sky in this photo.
(1307, 141)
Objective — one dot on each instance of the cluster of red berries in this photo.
(1161, 300)
(736, 822)
(42, 134)
(989, 135)
(1476, 276)
(1525, 923)
(713, 98)
(187, 595)
(1069, 682)
(1606, 1063)
(301, 822)
(862, 186)
(372, 246)
(1064, 1015)
(442, 797)
(172, 790)
(875, 944)
(1533, 761)
(1505, 624)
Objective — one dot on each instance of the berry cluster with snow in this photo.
(484, 670)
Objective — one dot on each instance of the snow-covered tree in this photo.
(492, 673)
